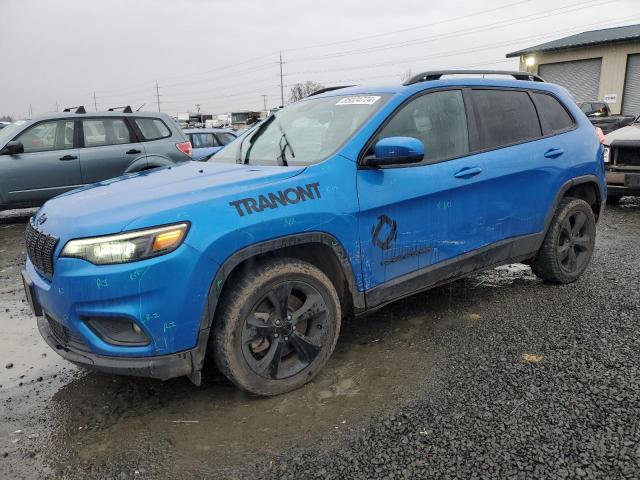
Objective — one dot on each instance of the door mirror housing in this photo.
(396, 151)
(12, 148)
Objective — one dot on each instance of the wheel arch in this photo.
(585, 187)
(320, 249)
(146, 162)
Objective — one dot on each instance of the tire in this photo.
(567, 248)
(613, 199)
(277, 326)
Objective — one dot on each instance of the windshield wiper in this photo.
(283, 147)
(254, 136)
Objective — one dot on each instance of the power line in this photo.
(404, 30)
(481, 28)
(463, 51)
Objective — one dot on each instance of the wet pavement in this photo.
(58, 421)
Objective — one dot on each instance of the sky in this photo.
(224, 54)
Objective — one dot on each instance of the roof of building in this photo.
(585, 39)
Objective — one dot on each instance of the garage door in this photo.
(581, 77)
(631, 98)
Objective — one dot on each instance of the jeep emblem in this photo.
(41, 219)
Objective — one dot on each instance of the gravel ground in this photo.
(543, 382)
(496, 376)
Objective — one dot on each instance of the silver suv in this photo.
(54, 153)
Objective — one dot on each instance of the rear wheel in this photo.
(568, 245)
(277, 327)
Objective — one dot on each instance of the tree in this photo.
(301, 90)
(406, 75)
(6, 118)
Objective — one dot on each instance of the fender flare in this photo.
(148, 161)
(215, 290)
(564, 188)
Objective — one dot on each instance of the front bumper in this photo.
(162, 367)
(616, 183)
(165, 296)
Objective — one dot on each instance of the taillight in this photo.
(600, 135)
(185, 147)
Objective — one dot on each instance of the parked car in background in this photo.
(254, 257)
(600, 116)
(207, 141)
(54, 153)
(4, 124)
(622, 162)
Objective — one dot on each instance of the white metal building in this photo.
(597, 65)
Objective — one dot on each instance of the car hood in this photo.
(630, 132)
(111, 205)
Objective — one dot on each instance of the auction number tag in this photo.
(359, 100)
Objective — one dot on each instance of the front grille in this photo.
(627, 156)
(64, 335)
(40, 247)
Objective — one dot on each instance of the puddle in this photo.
(70, 421)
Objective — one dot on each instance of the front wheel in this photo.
(277, 326)
(567, 248)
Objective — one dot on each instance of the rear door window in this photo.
(99, 132)
(224, 138)
(437, 119)
(48, 136)
(203, 140)
(553, 116)
(504, 117)
(152, 128)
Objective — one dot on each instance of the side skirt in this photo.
(506, 251)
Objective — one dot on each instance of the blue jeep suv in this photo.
(333, 206)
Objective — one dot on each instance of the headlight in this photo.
(606, 154)
(127, 247)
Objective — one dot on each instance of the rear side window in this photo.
(224, 138)
(152, 128)
(47, 136)
(437, 119)
(105, 131)
(504, 118)
(203, 140)
(553, 116)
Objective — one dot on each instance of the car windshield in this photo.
(304, 133)
(8, 132)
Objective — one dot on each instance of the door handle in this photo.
(68, 157)
(133, 151)
(468, 172)
(554, 152)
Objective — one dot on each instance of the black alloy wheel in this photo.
(277, 325)
(284, 332)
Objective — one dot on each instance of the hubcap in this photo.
(574, 242)
(284, 332)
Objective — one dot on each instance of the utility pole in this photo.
(57, 107)
(158, 94)
(281, 83)
(30, 111)
(95, 101)
(264, 101)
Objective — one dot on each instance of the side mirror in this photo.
(396, 151)
(12, 148)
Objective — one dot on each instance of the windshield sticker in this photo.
(289, 196)
(360, 100)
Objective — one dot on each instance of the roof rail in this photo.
(435, 75)
(328, 89)
(79, 109)
(125, 109)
